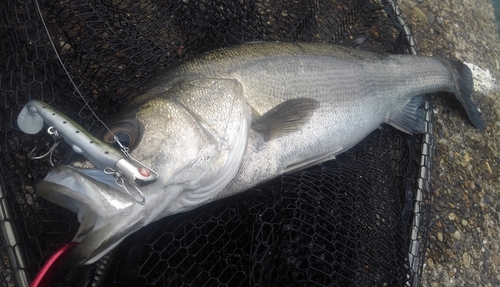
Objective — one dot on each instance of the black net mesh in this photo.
(360, 220)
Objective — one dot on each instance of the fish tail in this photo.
(463, 90)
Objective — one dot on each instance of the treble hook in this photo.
(121, 183)
(53, 132)
(49, 153)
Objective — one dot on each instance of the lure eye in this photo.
(127, 132)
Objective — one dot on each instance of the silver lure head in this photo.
(192, 133)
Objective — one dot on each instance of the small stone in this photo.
(451, 229)
(430, 263)
(430, 18)
(487, 254)
(439, 20)
(420, 14)
(452, 216)
(486, 199)
(464, 222)
(484, 278)
(440, 236)
(475, 198)
(452, 272)
(472, 185)
(466, 260)
(475, 234)
(496, 260)
(440, 131)
(457, 235)
(465, 160)
(488, 168)
(473, 38)
(420, 1)
(450, 253)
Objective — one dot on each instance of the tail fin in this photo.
(465, 86)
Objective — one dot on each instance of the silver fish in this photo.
(227, 120)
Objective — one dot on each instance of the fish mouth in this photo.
(104, 211)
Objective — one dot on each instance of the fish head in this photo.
(192, 135)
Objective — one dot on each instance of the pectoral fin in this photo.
(287, 117)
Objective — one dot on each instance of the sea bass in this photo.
(228, 120)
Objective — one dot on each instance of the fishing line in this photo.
(71, 79)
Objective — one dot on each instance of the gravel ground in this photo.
(465, 233)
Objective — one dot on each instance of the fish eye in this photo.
(127, 132)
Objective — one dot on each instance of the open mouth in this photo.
(90, 193)
(104, 211)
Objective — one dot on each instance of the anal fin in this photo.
(411, 118)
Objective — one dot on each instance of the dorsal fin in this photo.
(357, 42)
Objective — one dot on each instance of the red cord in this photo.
(45, 274)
